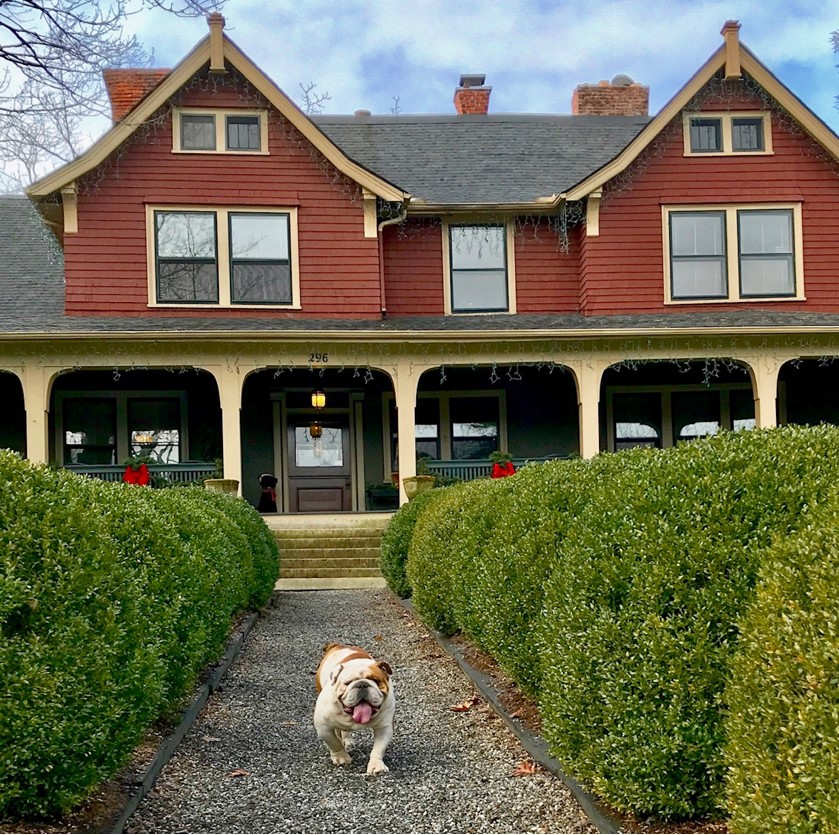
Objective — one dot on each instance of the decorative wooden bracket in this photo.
(370, 219)
(593, 214)
(71, 211)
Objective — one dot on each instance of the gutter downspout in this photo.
(398, 219)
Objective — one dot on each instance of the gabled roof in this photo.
(750, 64)
(171, 83)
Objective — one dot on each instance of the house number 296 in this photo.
(319, 356)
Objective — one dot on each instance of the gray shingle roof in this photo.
(491, 158)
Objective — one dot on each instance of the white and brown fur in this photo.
(351, 673)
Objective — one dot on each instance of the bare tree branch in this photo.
(311, 101)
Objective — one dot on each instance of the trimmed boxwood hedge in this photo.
(613, 590)
(396, 538)
(112, 599)
(783, 692)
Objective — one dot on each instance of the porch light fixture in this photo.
(318, 399)
(315, 430)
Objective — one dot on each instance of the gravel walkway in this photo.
(253, 763)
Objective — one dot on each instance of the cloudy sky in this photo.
(364, 53)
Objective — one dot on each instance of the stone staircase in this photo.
(329, 551)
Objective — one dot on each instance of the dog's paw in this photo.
(347, 739)
(377, 767)
(341, 758)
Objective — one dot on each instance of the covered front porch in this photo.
(245, 408)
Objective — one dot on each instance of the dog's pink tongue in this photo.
(362, 713)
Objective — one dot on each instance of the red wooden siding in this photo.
(413, 261)
(547, 279)
(106, 261)
(622, 270)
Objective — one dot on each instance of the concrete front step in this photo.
(322, 571)
(329, 550)
(313, 563)
(320, 553)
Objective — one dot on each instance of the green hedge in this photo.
(112, 599)
(613, 589)
(783, 692)
(396, 538)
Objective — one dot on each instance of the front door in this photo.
(319, 475)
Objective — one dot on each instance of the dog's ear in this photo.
(386, 667)
(333, 676)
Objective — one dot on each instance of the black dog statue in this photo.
(268, 498)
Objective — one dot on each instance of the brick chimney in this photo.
(126, 88)
(619, 97)
(471, 96)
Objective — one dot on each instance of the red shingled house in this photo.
(452, 284)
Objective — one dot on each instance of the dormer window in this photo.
(219, 132)
(727, 133)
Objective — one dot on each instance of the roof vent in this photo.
(622, 81)
(362, 114)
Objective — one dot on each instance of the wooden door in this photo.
(319, 471)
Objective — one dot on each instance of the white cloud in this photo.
(534, 52)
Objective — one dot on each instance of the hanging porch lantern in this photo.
(318, 399)
(315, 430)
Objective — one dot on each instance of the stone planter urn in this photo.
(416, 484)
(222, 485)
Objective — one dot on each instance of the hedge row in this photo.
(613, 590)
(112, 599)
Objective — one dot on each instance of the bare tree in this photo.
(834, 39)
(52, 53)
(396, 108)
(311, 101)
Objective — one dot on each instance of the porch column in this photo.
(405, 382)
(588, 376)
(230, 382)
(764, 373)
(36, 396)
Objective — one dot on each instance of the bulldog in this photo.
(354, 691)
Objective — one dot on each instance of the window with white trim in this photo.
(219, 131)
(223, 257)
(733, 253)
(748, 132)
(478, 268)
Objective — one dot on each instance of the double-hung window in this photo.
(478, 268)
(749, 132)
(733, 253)
(219, 131)
(223, 257)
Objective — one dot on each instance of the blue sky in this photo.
(533, 52)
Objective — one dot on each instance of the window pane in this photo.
(765, 232)
(257, 236)
(89, 431)
(637, 420)
(243, 133)
(475, 422)
(154, 428)
(257, 282)
(705, 135)
(326, 451)
(697, 233)
(696, 414)
(698, 279)
(479, 290)
(198, 133)
(478, 248)
(742, 409)
(747, 134)
(767, 276)
(187, 235)
(182, 281)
